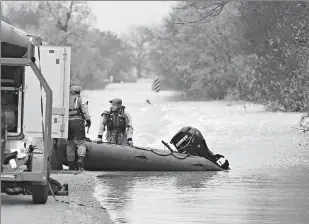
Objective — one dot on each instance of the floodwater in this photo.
(268, 181)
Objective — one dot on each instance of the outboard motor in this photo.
(190, 140)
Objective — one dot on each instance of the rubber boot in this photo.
(81, 163)
(64, 191)
(72, 165)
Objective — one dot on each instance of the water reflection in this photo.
(273, 196)
(268, 182)
(193, 180)
(117, 193)
(157, 194)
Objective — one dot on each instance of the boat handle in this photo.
(140, 157)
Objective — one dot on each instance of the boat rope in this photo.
(174, 154)
(191, 139)
(169, 154)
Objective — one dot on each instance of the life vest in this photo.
(74, 107)
(116, 122)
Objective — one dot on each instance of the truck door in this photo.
(55, 64)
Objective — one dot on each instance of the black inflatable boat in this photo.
(192, 154)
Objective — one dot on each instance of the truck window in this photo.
(11, 98)
(11, 106)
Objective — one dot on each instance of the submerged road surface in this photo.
(268, 182)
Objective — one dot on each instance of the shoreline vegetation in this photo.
(256, 51)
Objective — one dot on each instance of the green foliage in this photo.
(96, 55)
(139, 41)
(247, 50)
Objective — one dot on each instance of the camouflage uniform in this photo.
(118, 124)
(78, 112)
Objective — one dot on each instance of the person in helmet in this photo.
(118, 124)
(78, 114)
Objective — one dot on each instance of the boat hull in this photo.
(110, 157)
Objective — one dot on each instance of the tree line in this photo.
(247, 50)
(96, 55)
(215, 49)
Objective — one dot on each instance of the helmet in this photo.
(116, 101)
(75, 89)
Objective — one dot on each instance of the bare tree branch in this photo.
(69, 15)
(185, 5)
(51, 10)
(211, 15)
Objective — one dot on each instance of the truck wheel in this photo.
(39, 194)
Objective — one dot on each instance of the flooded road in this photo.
(268, 181)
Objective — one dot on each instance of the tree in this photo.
(197, 54)
(96, 55)
(12, 10)
(64, 22)
(139, 40)
(253, 50)
(280, 39)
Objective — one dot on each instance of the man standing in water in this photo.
(78, 112)
(118, 123)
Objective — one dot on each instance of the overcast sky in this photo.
(118, 16)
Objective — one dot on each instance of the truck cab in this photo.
(35, 81)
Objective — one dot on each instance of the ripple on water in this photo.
(268, 182)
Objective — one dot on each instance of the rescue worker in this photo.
(118, 124)
(78, 112)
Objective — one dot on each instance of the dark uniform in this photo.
(118, 124)
(3, 137)
(78, 112)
